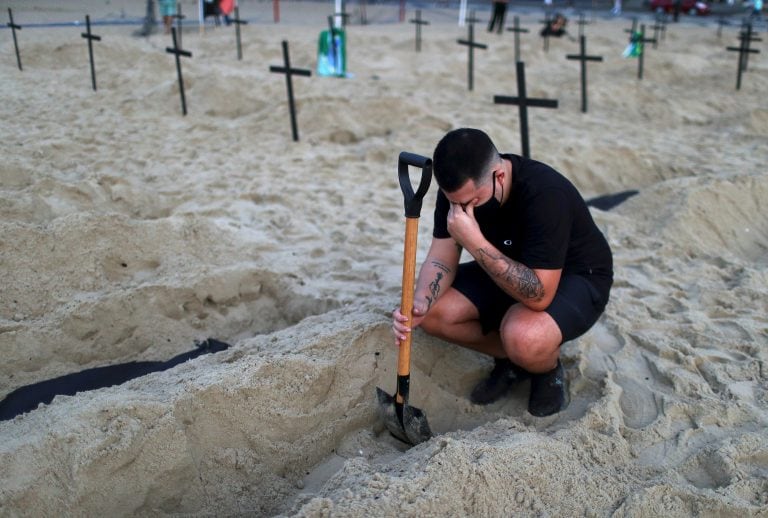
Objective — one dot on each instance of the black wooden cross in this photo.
(344, 17)
(582, 22)
(743, 50)
(178, 16)
(419, 22)
(582, 56)
(523, 102)
(642, 40)
(472, 18)
(472, 45)
(176, 50)
(289, 72)
(749, 36)
(547, 20)
(90, 37)
(237, 21)
(13, 27)
(659, 28)
(517, 30)
(634, 27)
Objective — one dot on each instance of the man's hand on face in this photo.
(462, 224)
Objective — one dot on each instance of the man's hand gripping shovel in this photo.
(404, 421)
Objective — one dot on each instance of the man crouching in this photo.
(541, 271)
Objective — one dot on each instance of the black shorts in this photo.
(576, 307)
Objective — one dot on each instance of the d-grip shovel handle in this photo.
(412, 212)
(413, 199)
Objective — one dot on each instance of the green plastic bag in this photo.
(332, 53)
(635, 47)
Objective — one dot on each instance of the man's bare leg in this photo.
(455, 319)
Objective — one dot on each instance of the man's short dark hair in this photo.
(461, 155)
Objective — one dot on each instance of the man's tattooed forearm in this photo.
(434, 290)
(518, 277)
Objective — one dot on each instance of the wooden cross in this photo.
(523, 102)
(176, 50)
(743, 50)
(582, 22)
(470, 43)
(659, 27)
(749, 36)
(419, 22)
(634, 27)
(237, 21)
(546, 23)
(642, 40)
(178, 16)
(582, 56)
(472, 18)
(90, 37)
(13, 27)
(344, 16)
(517, 30)
(289, 72)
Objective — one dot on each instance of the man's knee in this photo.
(530, 341)
(524, 348)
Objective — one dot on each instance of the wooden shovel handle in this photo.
(412, 212)
(406, 298)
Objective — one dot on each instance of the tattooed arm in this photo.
(435, 277)
(535, 288)
(437, 272)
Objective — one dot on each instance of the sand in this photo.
(128, 231)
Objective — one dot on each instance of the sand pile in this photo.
(127, 232)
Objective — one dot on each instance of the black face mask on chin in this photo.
(489, 210)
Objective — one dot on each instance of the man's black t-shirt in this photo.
(545, 224)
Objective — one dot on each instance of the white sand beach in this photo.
(129, 231)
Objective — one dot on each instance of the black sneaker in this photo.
(549, 392)
(502, 378)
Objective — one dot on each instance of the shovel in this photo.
(407, 423)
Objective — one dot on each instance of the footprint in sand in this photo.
(637, 403)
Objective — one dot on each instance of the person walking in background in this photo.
(226, 7)
(499, 12)
(167, 11)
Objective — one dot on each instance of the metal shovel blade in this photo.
(407, 423)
